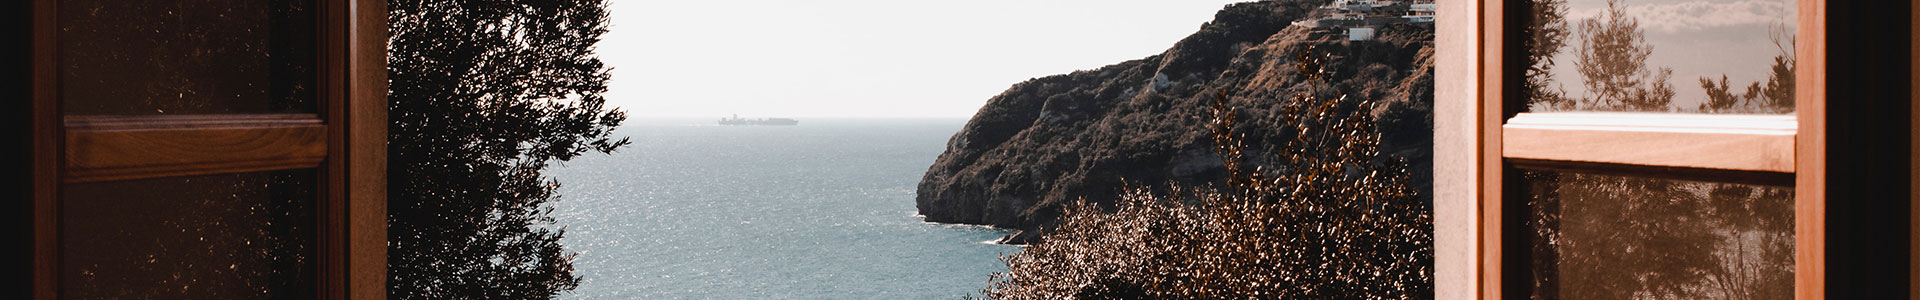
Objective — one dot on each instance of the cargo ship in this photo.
(737, 120)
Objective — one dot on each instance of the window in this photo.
(1815, 181)
(205, 148)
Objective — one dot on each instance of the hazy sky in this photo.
(1694, 37)
(868, 58)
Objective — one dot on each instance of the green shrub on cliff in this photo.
(1336, 219)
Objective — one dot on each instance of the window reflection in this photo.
(1704, 56)
(1613, 237)
(232, 236)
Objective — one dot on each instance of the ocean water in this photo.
(823, 210)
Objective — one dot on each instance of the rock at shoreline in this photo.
(1090, 134)
(1020, 237)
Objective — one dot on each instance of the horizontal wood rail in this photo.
(109, 148)
(1758, 143)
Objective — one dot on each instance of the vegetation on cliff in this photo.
(1339, 220)
(1035, 149)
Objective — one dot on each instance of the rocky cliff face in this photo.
(1090, 134)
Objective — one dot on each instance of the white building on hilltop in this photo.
(1360, 34)
(1420, 12)
(1362, 5)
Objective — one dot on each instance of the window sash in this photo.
(1715, 142)
(1479, 65)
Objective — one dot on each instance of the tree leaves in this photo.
(482, 95)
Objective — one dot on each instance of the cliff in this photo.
(1091, 133)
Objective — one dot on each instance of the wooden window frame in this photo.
(345, 141)
(1481, 137)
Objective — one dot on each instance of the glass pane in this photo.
(1613, 237)
(1697, 56)
(232, 236)
(187, 56)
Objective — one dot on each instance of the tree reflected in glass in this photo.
(1613, 237)
(1592, 55)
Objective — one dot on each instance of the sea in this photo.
(821, 210)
